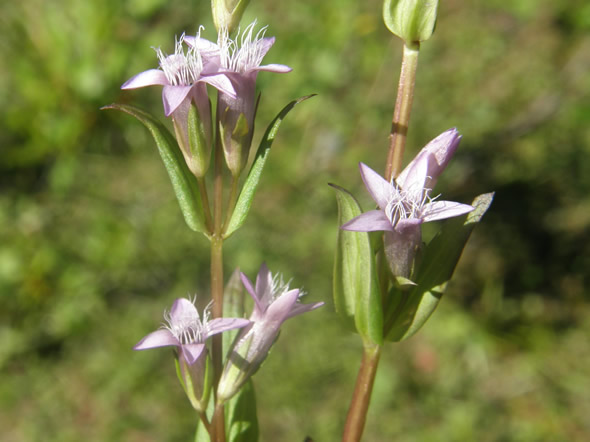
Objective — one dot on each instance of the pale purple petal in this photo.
(279, 309)
(264, 286)
(159, 338)
(250, 289)
(442, 148)
(278, 68)
(405, 225)
(192, 352)
(182, 309)
(444, 209)
(378, 187)
(264, 46)
(205, 47)
(300, 308)
(371, 221)
(219, 325)
(150, 77)
(221, 83)
(172, 96)
(413, 177)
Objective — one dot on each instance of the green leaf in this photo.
(240, 416)
(436, 268)
(183, 181)
(247, 194)
(357, 297)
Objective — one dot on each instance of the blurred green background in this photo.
(93, 246)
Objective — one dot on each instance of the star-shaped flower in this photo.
(405, 203)
(186, 330)
(274, 303)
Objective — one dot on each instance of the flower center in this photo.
(406, 204)
(188, 328)
(179, 68)
(245, 56)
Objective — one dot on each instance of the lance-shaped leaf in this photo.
(240, 416)
(357, 296)
(183, 181)
(407, 314)
(249, 189)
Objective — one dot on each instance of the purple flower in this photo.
(405, 203)
(184, 76)
(186, 330)
(274, 303)
(239, 59)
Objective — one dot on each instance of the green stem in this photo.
(359, 405)
(205, 422)
(401, 114)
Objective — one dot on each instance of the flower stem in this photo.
(401, 114)
(218, 422)
(205, 422)
(359, 405)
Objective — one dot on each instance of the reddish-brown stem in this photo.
(401, 114)
(359, 405)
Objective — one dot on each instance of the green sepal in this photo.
(188, 387)
(241, 420)
(183, 181)
(411, 308)
(249, 189)
(411, 20)
(200, 148)
(233, 305)
(357, 297)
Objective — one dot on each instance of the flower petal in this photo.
(264, 286)
(183, 309)
(264, 45)
(206, 48)
(406, 225)
(379, 188)
(444, 209)
(172, 96)
(413, 177)
(278, 68)
(221, 83)
(192, 352)
(150, 77)
(371, 221)
(159, 338)
(252, 292)
(219, 325)
(280, 308)
(299, 308)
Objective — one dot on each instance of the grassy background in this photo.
(93, 246)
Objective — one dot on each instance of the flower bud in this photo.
(228, 13)
(411, 20)
(196, 380)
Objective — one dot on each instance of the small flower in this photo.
(186, 330)
(274, 303)
(405, 203)
(240, 60)
(183, 77)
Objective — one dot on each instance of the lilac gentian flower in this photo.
(405, 203)
(240, 60)
(184, 76)
(274, 303)
(185, 330)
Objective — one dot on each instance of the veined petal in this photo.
(150, 77)
(207, 48)
(172, 96)
(159, 338)
(250, 289)
(264, 286)
(371, 221)
(379, 188)
(192, 352)
(444, 209)
(264, 45)
(413, 177)
(219, 325)
(221, 83)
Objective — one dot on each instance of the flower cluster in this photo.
(231, 66)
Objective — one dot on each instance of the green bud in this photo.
(228, 13)
(411, 20)
(236, 144)
(196, 380)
